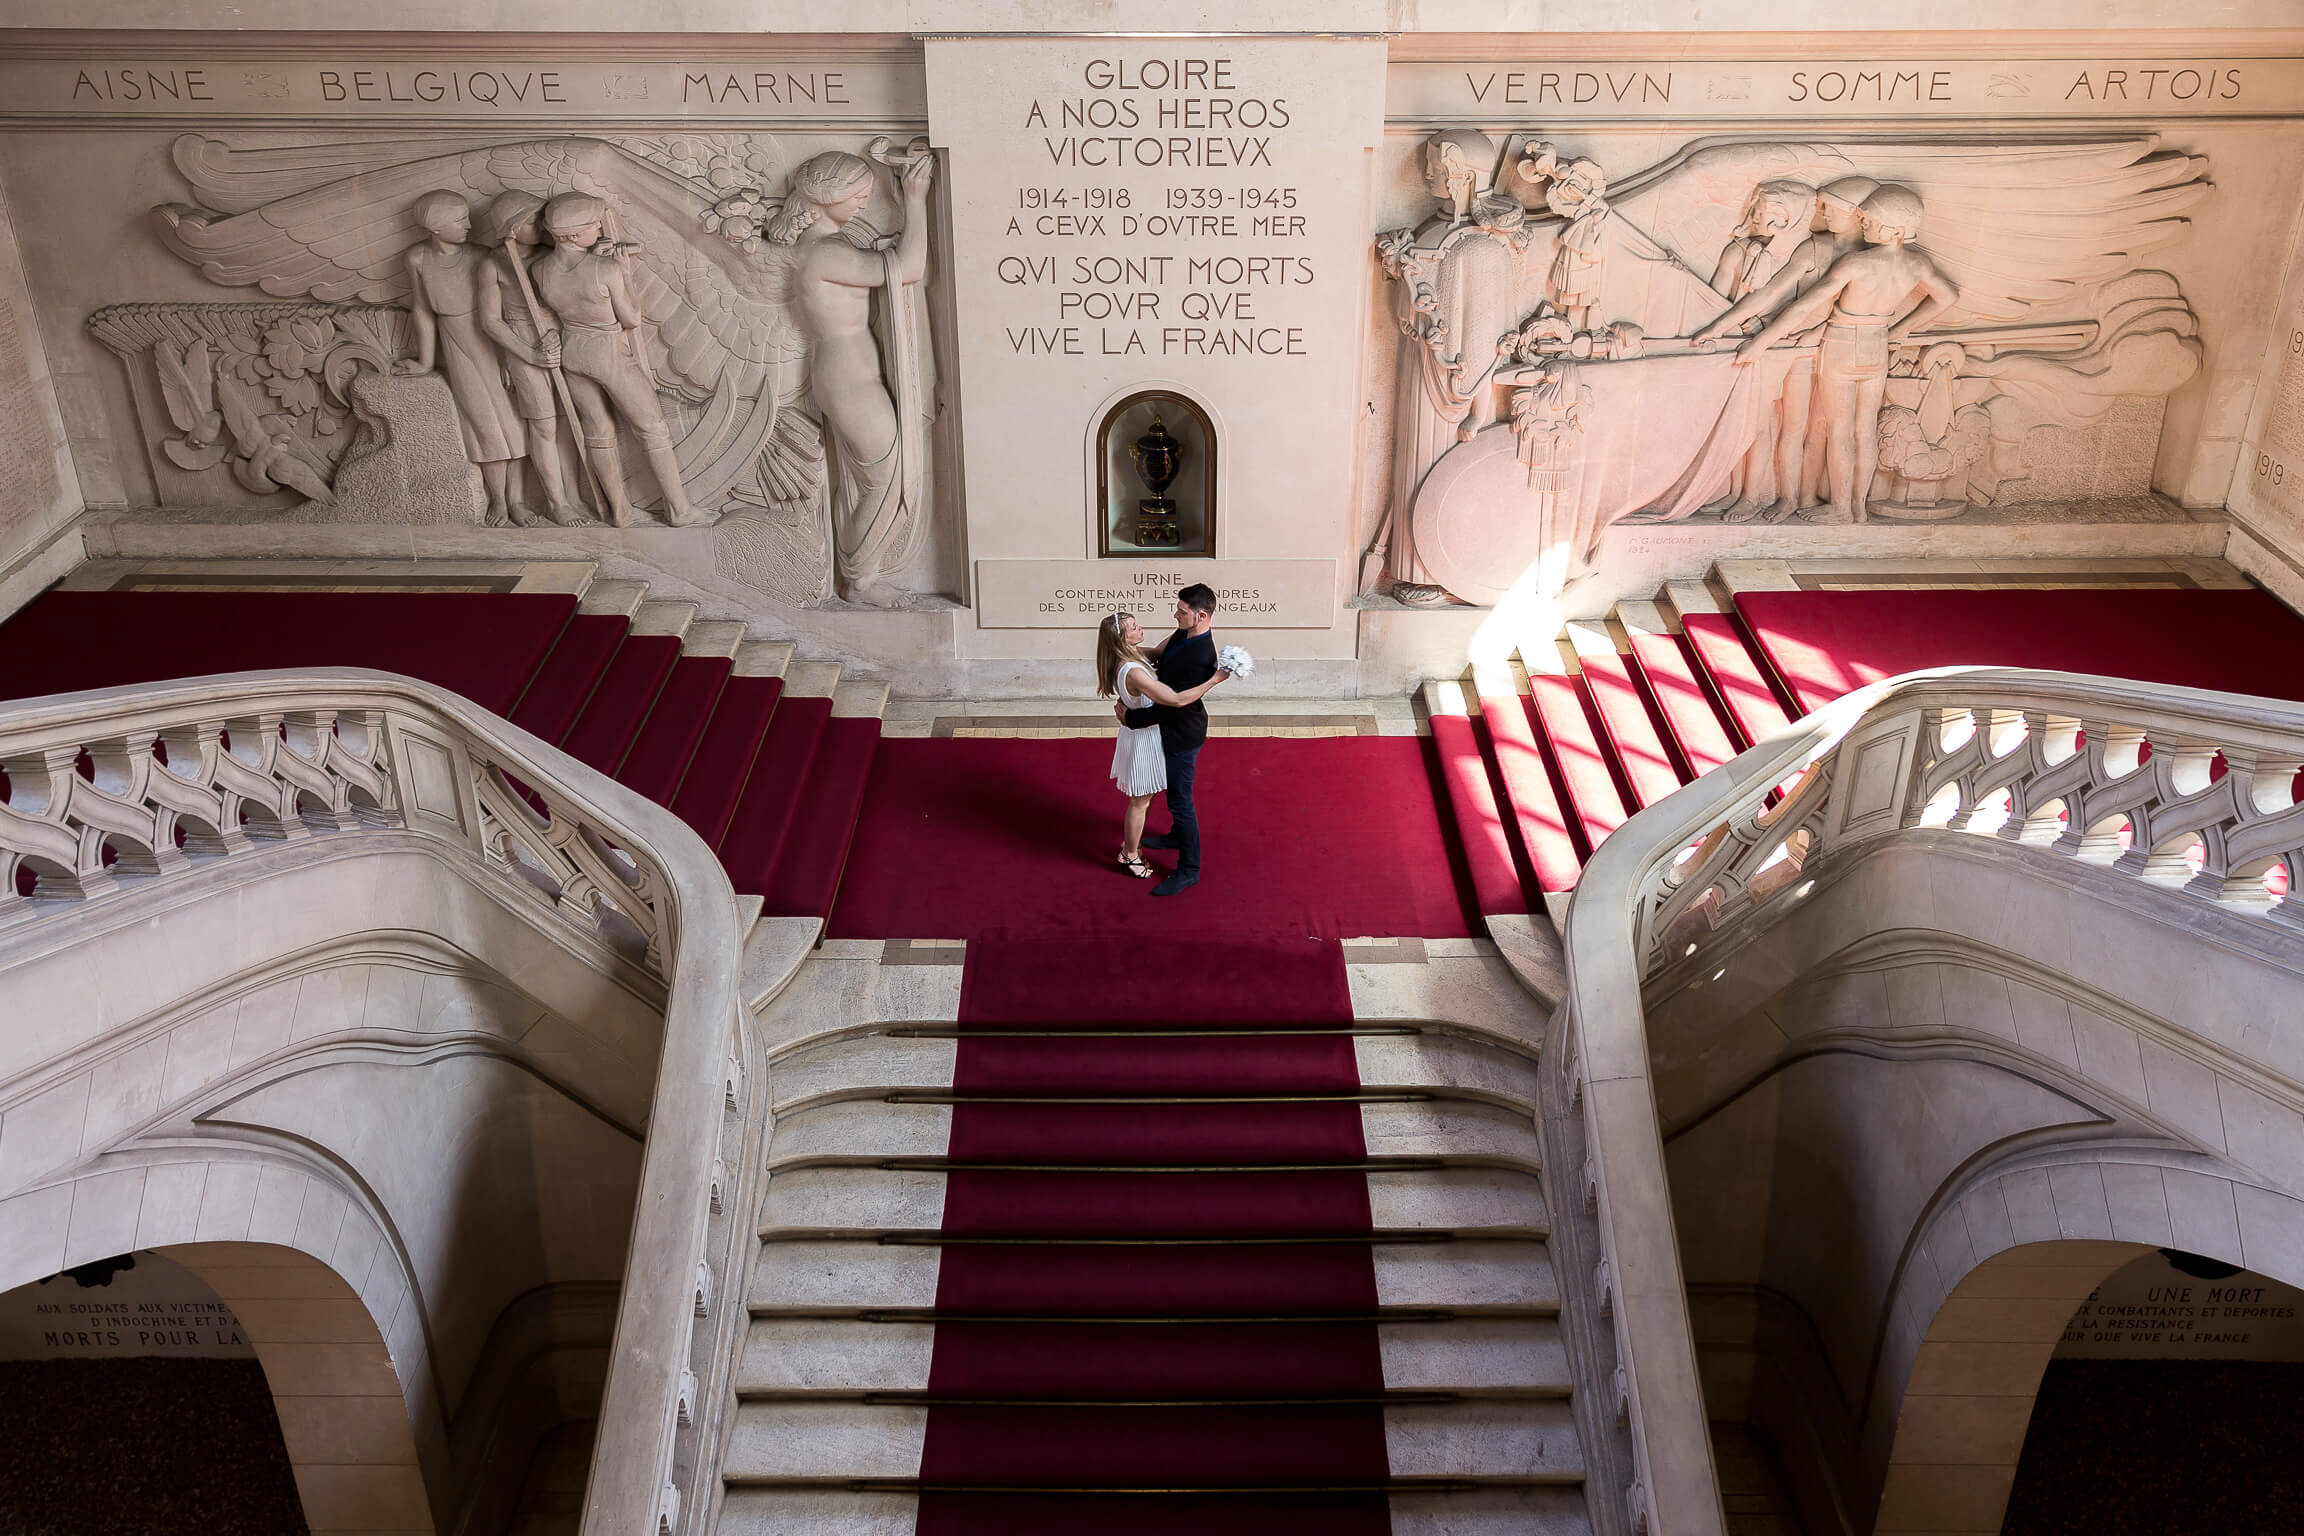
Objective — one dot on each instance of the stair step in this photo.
(763, 658)
(1489, 852)
(771, 800)
(808, 868)
(1558, 705)
(1639, 746)
(1481, 1511)
(1670, 672)
(1236, 1205)
(835, 1276)
(1186, 1446)
(846, 1357)
(713, 637)
(1534, 799)
(663, 618)
(666, 744)
(863, 1131)
(859, 700)
(605, 732)
(614, 599)
(812, 679)
(564, 684)
(1736, 674)
(723, 761)
(1440, 1063)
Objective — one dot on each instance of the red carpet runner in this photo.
(1155, 1307)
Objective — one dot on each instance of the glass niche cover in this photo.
(1156, 478)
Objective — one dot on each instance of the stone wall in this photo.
(39, 491)
(1940, 1058)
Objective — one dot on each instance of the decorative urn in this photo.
(1159, 458)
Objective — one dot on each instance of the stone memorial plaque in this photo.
(1188, 215)
(1566, 91)
(1075, 594)
(140, 1304)
(2154, 1310)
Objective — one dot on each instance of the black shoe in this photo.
(1182, 880)
(1164, 841)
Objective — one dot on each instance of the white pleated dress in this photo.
(1138, 766)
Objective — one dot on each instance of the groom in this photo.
(1186, 659)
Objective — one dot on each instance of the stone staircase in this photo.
(1548, 753)
(1464, 1394)
(763, 754)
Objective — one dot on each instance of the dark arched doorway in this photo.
(132, 1402)
(2171, 1406)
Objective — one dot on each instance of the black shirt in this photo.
(1187, 662)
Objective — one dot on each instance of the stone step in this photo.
(835, 1358)
(865, 1131)
(763, 658)
(618, 597)
(859, 700)
(834, 1277)
(1532, 1510)
(713, 637)
(812, 680)
(835, 1202)
(1491, 1440)
(663, 618)
(1434, 1061)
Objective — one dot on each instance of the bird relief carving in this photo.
(627, 328)
(1760, 330)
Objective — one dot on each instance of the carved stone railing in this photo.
(2190, 791)
(116, 795)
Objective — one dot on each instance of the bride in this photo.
(1138, 765)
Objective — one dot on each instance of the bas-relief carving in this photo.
(1757, 329)
(766, 356)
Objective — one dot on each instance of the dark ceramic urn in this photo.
(1159, 460)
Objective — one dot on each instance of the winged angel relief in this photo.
(1758, 329)
(768, 354)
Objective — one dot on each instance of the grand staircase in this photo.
(764, 755)
(1547, 755)
(1270, 1256)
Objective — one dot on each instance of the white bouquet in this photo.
(1235, 660)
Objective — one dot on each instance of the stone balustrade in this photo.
(122, 795)
(2191, 791)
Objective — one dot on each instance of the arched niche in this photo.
(1130, 522)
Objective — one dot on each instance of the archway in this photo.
(209, 1387)
(1969, 1398)
(2172, 1404)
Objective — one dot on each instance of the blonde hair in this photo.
(821, 180)
(1113, 648)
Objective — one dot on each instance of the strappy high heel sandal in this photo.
(1133, 864)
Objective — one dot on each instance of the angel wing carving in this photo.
(333, 222)
(2028, 230)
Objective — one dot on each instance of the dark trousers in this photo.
(1183, 820)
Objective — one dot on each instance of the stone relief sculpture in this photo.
(445, 274)
(1454, 286)
(1883, 326)
(278, 397)
(766, 354)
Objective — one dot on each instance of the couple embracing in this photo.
(1162, 727)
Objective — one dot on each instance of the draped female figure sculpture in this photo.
(877, 520)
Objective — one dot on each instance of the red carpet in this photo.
(1156, 1272)
(1825, 644)
(1336, 838)
(484, 646)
